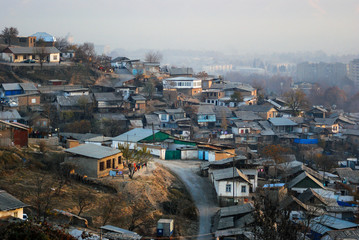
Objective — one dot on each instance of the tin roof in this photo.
(135, 135)
(93, 151)
(9, 202)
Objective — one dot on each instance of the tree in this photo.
(296, 100)
(85, 52)
(335, 97)
(83, 198)
(107, 209)
(134, 156)
(236, 97)
(62, 44)
(275, 152)
(43, 196)
(9, 33)
(153, 56)
(149, 89)
(41, 52)
(224, 122)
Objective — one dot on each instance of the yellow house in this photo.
(93, 160)
(10, 206)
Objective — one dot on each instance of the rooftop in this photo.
(9, 202)
(282, 122)
(135, 135)
(93, 151)
(228, 173)
(32, 50)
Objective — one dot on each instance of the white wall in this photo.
(211, 156)
(96, 143)
(254, 173)
(54, 57)
(189, 154)
(220, 187)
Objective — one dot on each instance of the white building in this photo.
(188, 84)
(230, 184)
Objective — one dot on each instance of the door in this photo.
(200, 155)
(205, 156)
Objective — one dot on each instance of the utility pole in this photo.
(233, 178)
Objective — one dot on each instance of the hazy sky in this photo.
(239, 26)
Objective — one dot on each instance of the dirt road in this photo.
(200, 189)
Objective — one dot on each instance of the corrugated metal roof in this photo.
(107, 96)
(205, 109)
(44, 36)
(302, 176)
(236, 210)
(93, 151)
(28, 86)
(227, 173)
(256, 108)
(68, 101)
(282, 122)
(135, 135)
(226, 222)
(11, 86)
(247, 116)
(152, 119)
(32, 50)
(12, 114)
(9, 202)
(334, 223)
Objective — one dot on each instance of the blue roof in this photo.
(135, 135)
(44, 36)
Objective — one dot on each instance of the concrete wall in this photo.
(189, 154)
(51, 141)
(252, 172)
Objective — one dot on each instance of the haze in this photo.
(230, 26)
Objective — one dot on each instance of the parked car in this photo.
(25, 217)
(29, 61)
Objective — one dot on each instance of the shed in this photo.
(165, 227)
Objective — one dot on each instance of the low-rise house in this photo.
(19, 54)
(108, 101)
(10, 115)
(341, 234)
(13, 134)
(330, 124)
(231, 185)
(246, 132)
(212, 96)
(211, 152)
(206, 117)
(19, 94)
(46, 38)
(247, 116)
(352, 136)
(73, 103)
(152, 121)
(10, 206)
(264, 111)
(223, 116)
(321, 225)
(138, 102)
(100, 141)
(317, 112)
(93, 160)
(187, 85)
(282, 125)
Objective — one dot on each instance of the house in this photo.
(246, 132)
(264, 111)
(20, 94)
(247, 116)
(46, 38)
(341, 234)
(187, 85)
(73, 103)
(108, 101)
(231, 185)
(10, 206)
(172, 118)
(181, 72)
(152, 121)
(93, 160)
(19, 54)
(20, 41)
(213, 96)
(11, 115)
(214, 152)
(223, 116)
(282, 125)
(321, 225)
(206, 117)
(352, 136)
(138, 137)
(39, 122)
(317, 112)
(74, 139)
(330, 124)
(13, 134)
(138, 102)
(118, 62)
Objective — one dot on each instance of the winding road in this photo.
(201, 190)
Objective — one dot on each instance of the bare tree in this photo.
(107, 210)
(9, 33)
(153, 56)
(85, 52)
(83, 199)
(296, 100)
(62, 44)
(41, 52)
(43, 196)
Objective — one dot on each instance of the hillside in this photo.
(137, 204)
(77, 74)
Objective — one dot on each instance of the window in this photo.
(228, 188)
(163, 117)
(33, 100)
(24, 56)
(108, 164)
(44, 123)
(15, 214)
(102, 166)
(15, 56)
(244, 189)
(119, 160)
(55, 57)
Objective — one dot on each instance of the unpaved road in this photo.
(200, 189)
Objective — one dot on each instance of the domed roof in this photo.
(44, 36)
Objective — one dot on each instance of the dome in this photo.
(44, 36)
